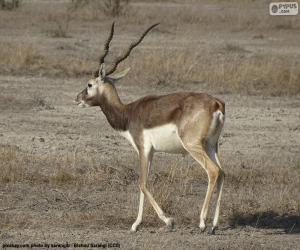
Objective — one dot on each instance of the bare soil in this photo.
(68, 177)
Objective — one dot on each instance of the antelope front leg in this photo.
(142, 198)
(140, 214)
(144, 162)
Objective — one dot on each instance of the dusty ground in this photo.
(68, 177)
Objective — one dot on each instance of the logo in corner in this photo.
(283, 9)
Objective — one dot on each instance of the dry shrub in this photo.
(71, 66)
(231, 16)
(18, 166)
(262, 196)
(10, 164)
(231, 71)
(228, 72)
(26, 59)
(114, 7)
(60, 24)
(12, 102)
(9, 102)
(274, 75)
(16, 57)
(259, 195)
(95, 10)
(165, 67)
(39, 101)
(9, 4)
(234, 48)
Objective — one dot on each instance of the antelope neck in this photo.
(115, 111)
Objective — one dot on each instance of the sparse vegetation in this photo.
(274, 205)
(229, 72)
(22, 167)
(235, 48)
(9, 4)
(66, 177)
(230, 69)
(25, 59)
(60, 24)
(113, 8)
(40, 102)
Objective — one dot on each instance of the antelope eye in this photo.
(89, 85)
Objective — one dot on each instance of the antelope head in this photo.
(102, 84)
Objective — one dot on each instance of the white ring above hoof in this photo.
(134, 228)
(202, 228)
(170, 223)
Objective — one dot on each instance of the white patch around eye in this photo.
(92, 91)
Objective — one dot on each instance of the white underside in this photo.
(163, 139)
(215, 129)
(160, 139)
(213, 136)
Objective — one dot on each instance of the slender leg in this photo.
(213, 171)
(220, 182)
(144, 159)
(141, 204)
(140, 214)
(212, 151)
(217, 155)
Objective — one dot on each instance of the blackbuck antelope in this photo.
(183, 122)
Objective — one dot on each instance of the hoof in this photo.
(212, 231)
(170, 223)
(202, 229)
(133, 228)
(169, 226)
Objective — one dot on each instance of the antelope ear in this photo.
(119, 75)
(102, 71)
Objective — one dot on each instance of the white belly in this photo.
(163, 139)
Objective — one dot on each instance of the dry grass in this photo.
(254, 195)
(113, 8)
(21, 167)
(214, 46)
(265, 197)
(20, 57)
(60, 25)
(234, 16)
(228, 72)
(36, 101)
(25, 59)
(230, 69)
